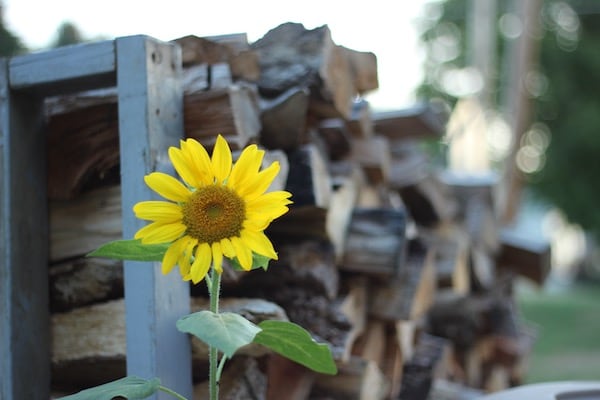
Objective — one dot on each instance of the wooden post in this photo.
(150, 115)
(150, 120)
(24, 321)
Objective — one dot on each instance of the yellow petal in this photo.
(256, 222)
(227, 248)
(182, 166)
(172, 254)
(267, 214)
(243, 253)
(158, 232)
(246, 167)
(167, 186)
(221, 160)
(259, 243)
(261, 182)
(186, 255)
(276, 197)
(217, 256)
(200, 159)
(201, 263)
(160, 211)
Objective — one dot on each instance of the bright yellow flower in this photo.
(220, 209)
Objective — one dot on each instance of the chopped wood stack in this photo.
(399, 268)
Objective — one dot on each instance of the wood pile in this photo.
(400, 268)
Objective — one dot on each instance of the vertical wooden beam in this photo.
(24, 319)
(151, 120)
(519, 107)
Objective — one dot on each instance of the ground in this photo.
(567, 319)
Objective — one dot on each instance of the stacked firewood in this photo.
(401, 269)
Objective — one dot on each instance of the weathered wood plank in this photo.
(24, 332)
(66, 69)
(150, 120)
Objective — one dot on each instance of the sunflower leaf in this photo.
(131, 250)
(226, 331)
(258, 261)
(294, 342)
(130, 387)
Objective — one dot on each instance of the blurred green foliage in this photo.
(565, 89)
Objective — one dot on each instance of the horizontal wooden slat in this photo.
(66, 69)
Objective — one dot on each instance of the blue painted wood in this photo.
(150, 120)
(24, 320)
(65, 69)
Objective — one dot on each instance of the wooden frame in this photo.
(146, 73)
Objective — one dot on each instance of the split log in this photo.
(475, 195)
(354, 307)
(376, 242)
(82, 129)
(232, 49)
(371, 344)
(344, 196)
(80, 226)
(363, 66)
(336, 138)
(291, 55)
(373, 155)
(309, 182)
(526, 256)
(360, 124)
(392, 364)
(457, 318)
(451, 246)
(232, 112)
(409, 295)
(357, 379)
(283, 119)
(88, 343)
(308, 177)
(426, 197)
(242, 379)
(287, 379)
(83, 281)
(423, 368)
(307, 264)
(422, 121)
(82, 149)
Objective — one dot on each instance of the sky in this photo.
(386, 28)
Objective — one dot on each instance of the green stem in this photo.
(220, 367)
(215, 287)
(171, 392)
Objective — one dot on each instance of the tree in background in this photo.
(67, 34)
(560, 153)
(10, 44)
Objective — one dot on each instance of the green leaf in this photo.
(130, 387)
(131, 250)
(294, 342)
(258, 261)
(225, 331)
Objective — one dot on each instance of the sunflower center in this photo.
(214, 213)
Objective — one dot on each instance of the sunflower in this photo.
(220, 210)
